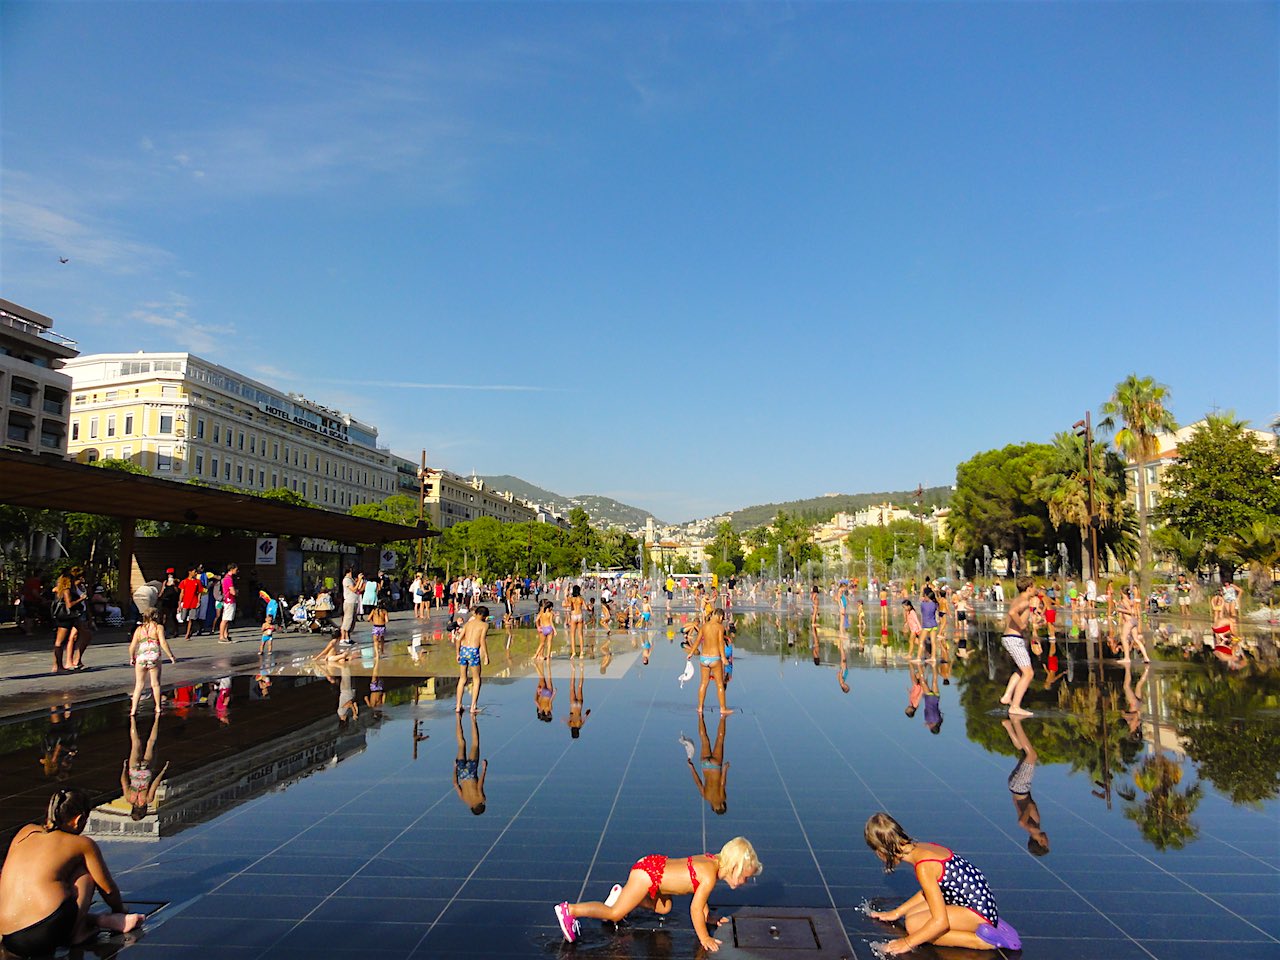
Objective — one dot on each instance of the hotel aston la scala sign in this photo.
(327, 428)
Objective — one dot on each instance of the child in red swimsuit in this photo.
(655, 879)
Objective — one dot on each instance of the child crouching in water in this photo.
(655, 879)
(955, 906)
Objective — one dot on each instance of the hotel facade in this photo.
(34, 387)
(179, 416)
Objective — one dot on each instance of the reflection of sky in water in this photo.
(300, 833)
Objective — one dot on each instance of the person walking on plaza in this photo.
(473, 651)
(228, 603)
(709, 649)
(144, 656)
(65, 610)
(1015, 643)
(352, 589)
(189, 591)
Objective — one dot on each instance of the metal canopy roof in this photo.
(50, 483)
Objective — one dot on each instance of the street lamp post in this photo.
(1084, 428)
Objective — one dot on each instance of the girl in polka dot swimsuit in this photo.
(955, 906)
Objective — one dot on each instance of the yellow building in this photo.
(179, 416)
(1167, 453)
(449, 498)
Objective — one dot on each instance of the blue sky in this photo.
(688, 255)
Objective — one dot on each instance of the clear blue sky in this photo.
(729, 254)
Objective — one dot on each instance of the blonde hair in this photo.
(885, 836)
(737, 858)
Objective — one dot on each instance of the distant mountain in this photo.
(603, 511)
(824, 508)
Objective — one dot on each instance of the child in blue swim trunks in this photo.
(709, 649)
(473, 649)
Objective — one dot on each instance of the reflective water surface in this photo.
(348, 810)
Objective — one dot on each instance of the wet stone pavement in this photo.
(282, 831)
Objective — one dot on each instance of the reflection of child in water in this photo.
(469, 770)
(1020, 788)
(714, 781)
(655, 879)
(955, 906)
(577, 716)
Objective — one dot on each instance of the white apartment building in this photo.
(34, 390)
(180, 416)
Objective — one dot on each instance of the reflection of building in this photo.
(449, 499)
(180, 416)
(200, 793)
(34, 393)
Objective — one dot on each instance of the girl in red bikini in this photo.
(655, 879)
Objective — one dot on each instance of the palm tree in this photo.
(1140, 403)
(1065, 490)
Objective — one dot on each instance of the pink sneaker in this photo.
(568, 925)
(1002, 935)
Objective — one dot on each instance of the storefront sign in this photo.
(265, 555)
(333, 430)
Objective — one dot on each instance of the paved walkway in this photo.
(27, 686)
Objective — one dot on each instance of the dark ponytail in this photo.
(65, 805)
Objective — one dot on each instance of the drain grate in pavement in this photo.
(778, 932)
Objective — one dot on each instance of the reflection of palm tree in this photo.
(1164, 814)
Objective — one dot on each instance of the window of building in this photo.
(226, 470)
(262, 479)
(239, 473)
(75, 430)
(111, 425)
(166, 422)
(80, 398)
(275, 481)
(168, 389)
(128, 424)
(111, 394)
(93, 428)
(240, 440)
(228, 438)
(126, 453)
(253, 443)
(217, 433)
(275, 451)
(214, 472)
(199, 428)
(164, 459)
(109, 453)
(199, 464)
(304, 461)
(295, 485)
(19, 432)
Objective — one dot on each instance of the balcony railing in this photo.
(35, 330)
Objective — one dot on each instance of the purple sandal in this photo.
(1002, 935)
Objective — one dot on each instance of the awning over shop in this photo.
(51, 483)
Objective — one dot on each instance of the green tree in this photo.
(882, 539)
(1164, 814)
(725, 548)
(1187, 552)
(995, 502)
(398, 508)
(1064, 488)
(1223, 482)
(1141, 405)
